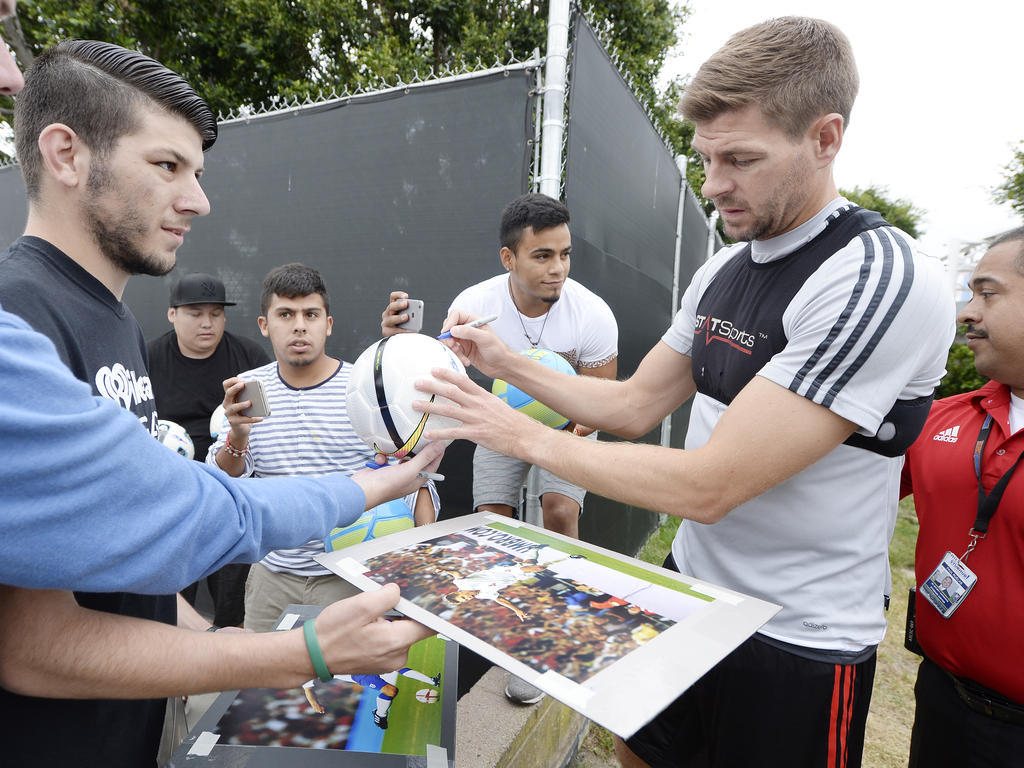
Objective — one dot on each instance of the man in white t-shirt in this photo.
(539, 307)
(811, 352)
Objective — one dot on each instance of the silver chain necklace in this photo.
(519, 314)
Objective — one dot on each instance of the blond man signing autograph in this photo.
(793, 344)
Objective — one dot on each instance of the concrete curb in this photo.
(492, 732)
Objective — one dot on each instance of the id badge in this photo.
(948, 585)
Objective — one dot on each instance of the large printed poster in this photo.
(363, 720)
(608, 635)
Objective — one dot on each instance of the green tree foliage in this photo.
(961, 375)
(899, 213)
(1012, 189)
(238, 52)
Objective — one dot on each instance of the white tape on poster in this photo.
(206, 741)
(437, 757)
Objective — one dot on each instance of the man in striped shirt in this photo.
(307, 433)
(811, 351)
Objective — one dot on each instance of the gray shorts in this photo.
(498, 479)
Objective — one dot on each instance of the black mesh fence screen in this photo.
(695, 234)
(622, 187)
(401, 190)
(395, 191)
(13, 207)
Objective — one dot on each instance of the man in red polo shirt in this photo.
(970, 685)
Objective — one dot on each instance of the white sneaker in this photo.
(521, 692)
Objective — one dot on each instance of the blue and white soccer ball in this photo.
(174, 436)
(381, 392)
(219, 422)
(523, 402)
(390, 517)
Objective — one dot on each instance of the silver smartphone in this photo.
(415, 313)
(253, 390)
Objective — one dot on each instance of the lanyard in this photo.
(987, 505)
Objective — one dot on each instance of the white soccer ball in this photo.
(219, 422)
(381, 392)
(174, 436)
(427, 696)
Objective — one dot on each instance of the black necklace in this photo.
(519, 314)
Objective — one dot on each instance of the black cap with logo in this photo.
(199, 288)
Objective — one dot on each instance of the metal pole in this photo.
(681, 161)
(712, 228)
(553, 129)
(666, 423)
(538, 81)
(552, 133)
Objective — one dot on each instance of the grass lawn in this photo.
(887, 742)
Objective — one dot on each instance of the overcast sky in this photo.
(939, 110)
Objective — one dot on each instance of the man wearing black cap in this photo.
(189, 363)
(187, 366)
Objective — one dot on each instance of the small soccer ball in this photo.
(381, 392)
(219, 422)
(174, 436)
(522, 402)
(427, 696)
(391, 517)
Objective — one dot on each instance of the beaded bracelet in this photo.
(232, 451)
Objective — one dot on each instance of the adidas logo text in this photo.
(949, 435)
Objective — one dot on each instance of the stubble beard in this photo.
(117, 236)
(764, 226)
(298, 361)
(782, 204)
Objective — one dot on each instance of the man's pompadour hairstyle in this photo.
(794, 68)
(96, 89)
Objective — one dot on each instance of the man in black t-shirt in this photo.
(110, 144)
(187, 366)
(130, 137)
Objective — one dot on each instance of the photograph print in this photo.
(567, 616)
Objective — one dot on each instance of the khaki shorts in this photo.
(268, 593)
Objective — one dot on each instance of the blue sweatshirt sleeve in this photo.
(90, 501)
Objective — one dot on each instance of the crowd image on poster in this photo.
(573, 619)
(543, 607)
(351, 712)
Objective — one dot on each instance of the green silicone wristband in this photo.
(315, 654)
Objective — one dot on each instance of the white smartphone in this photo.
(253, 390)
(415, 313)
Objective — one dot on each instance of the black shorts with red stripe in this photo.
(764, 706)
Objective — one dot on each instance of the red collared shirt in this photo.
(984, 639)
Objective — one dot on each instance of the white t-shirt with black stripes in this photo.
(817, 543)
